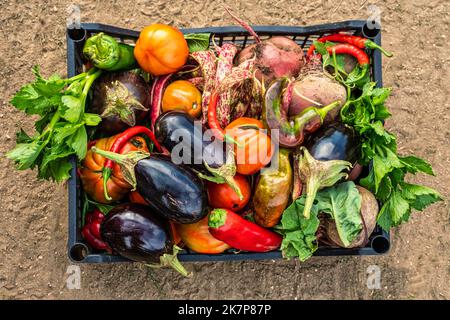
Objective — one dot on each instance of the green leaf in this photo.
(384, 219)
(419, 196)
(24, 154)
(383, 164)
(24, 96)
(72, 108)
(92, 119)
(378, 128)
(75, 89)
(396, 208)
(385, 189)
(23, 137)
(299, 234)
(67, 130)
(369, 181)
(30, 101)
(61, 126)
(397, 176)
(320, 48)
(380, 95)
(414, 164)
(382, 113)
(343, 203)
(356, 75)
(57, 170)
(104, 208)
(60, 151)
(42, 123)
(78, 142)
(197, 41)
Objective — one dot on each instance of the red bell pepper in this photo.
(241, 234)
(91, 230)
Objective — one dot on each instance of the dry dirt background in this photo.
(33, 221)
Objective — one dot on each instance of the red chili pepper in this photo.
(91, 144)
(360, 55)
(241, 234)
(214, 123)
(119, 144)
(91, 230)
(359, 42)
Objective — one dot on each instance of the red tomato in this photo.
(223, 196)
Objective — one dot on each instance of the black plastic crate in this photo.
(78, 251)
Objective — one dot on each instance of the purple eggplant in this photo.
(335, 141)
(178, 129)
(122, 99)
(173, 191)
(135, 232)
(182, 135)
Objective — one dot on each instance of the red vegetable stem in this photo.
(241, 234)
(345, 48)
(357, 41)
(244, 25)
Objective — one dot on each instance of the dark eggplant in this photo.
(177, 129)
(336, 141)
(179, 132)
(173, 191)
(136, 233)
(122, 99)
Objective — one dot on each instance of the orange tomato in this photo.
(92, 165)
(196, 237)
(182, 95)
(161, 49)
(254, 149)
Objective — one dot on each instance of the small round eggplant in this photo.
(334, 142)
(173, 191)
(122, 99)
(135, 232)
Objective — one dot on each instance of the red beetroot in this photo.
(275, 57)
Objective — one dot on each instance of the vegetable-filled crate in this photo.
(378, 242)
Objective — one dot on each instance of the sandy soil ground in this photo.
(33, 235)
